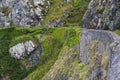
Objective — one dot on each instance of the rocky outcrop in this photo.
(56, 23)
(67, 66)
(28, 50)
(101, 50)
(22, 12)
(103, 14)
(114, 69)
(22, 49)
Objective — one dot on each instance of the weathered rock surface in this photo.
(66, 67)
(1, 78)
(103, 14)
(57, 23)
(22, 12)
(101, 50)
(27, 49)
(22, 49)
(114, 69)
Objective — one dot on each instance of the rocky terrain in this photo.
(100, 50)
(103, 14)
(22, 12)
(59, 39)
(27, 13)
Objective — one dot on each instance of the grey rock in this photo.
(1, 78)
(22, 12)
(56, 23)
(97, 44)
(22, 49)
(114, 69)
(28, 51)
(105, 10)
(35, 56)
(88, 36)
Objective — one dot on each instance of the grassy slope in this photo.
(61, 67)
(11, 36)
(7, 63)
(76, 9)
(68, 67)
(53, 40)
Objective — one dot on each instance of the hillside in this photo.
(59, 39)
(52, 41)
(47, 13)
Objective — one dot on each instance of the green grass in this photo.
(55, 12)
(53, 40)
(7, 63)
(76, 9)
(6, 10)
(77, 12)
(53, 45)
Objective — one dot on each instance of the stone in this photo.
(56, 23)
(99, 48)
(22, 12)
(22, 49)
(108, 10)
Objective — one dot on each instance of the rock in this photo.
(29, 46)
(67, 0)
(27, 52)
(114, 69)
(22, 49)
(56, 23)
(22, 12)
(35, 56)
(1, 78)
(101, 51)
(102, 14)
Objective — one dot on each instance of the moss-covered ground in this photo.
(53, 40)
(67, 66)
(59, 8)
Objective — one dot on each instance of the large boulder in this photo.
(27, 50)
(102, 14)
(22, 49)
(101, 51)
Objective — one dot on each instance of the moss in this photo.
(73, 36)
(6, 11)
(98, 61)
(55, 12)
(74, 9)
(12, 36)
(21, 39)
(32, 3)
(119, 4)
(117, 32)
(7, 63)
(54, 41)
(54, 45)
(101, 10)
(77, 12)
